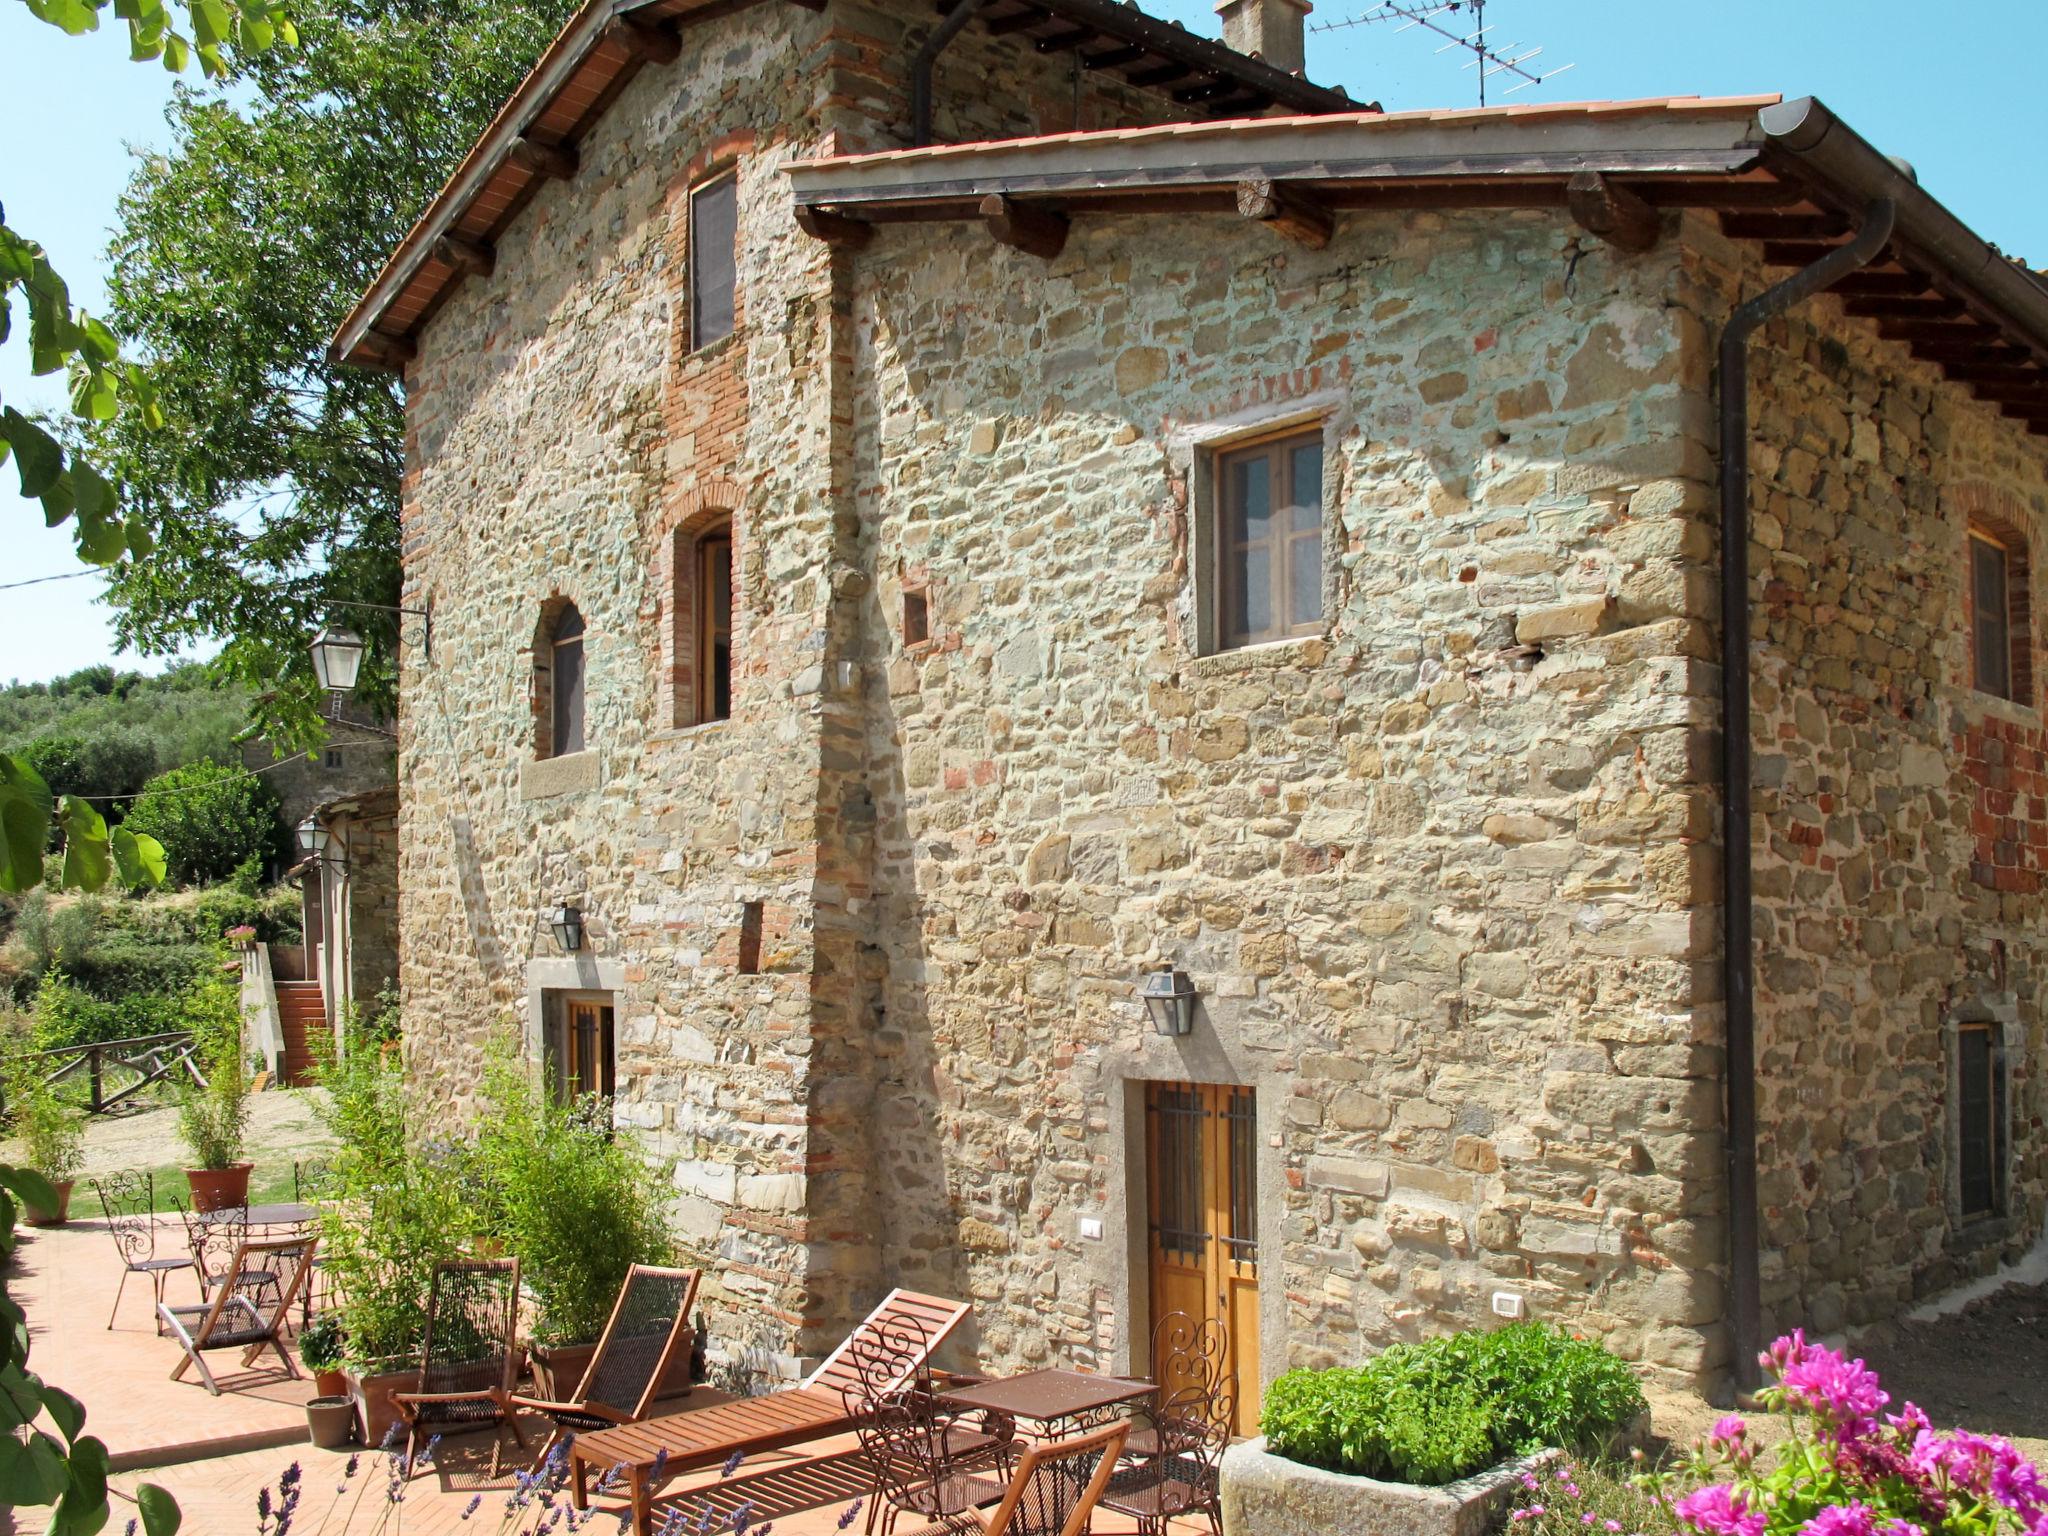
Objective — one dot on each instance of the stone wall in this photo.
(354, 760)
(564, 444)
(1900, 812)
(1436, 872)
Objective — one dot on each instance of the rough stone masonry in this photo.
(1444, 872)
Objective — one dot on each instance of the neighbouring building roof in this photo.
(607, 42)
(1787, 174)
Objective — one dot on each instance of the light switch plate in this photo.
(1091, 1226)
(1509, 1304)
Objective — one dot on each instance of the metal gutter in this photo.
(1738, 949)
(928, 52)
(1833, 154)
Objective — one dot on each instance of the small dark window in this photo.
(917, 618)
(1980, 1119)
(1991, 602)
(714, 227)
(582, 1050)
(1269, 540)
(331, 758)
(750, 938)
(565, 683)
(714, 626)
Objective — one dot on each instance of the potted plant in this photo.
(1432, 1438)
(213, 1120)
(320, 1351)
(331, 1420)
(579, 1206)
(52, 1139)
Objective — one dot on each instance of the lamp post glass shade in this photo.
(567, 922)
(314, 838)
(1170, 999)
(337, 658)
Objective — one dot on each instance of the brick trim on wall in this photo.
(704, 507)
(1996, 513)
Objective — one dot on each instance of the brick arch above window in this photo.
(1997, 583)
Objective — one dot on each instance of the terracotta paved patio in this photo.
(199, 1447)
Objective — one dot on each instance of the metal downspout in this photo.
(921, 68)
(1738, 952)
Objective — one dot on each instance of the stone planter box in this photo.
(373, 1403)
(1268, 1495)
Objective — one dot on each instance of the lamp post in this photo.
(567, 922)
(337, 659)
(1170, 998)
(316, 840)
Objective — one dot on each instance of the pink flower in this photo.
(1851, 1519)
(1844, 1392)
(1529, 1481)
(1728, 1429)
(2016, 1482)
(1909, 1418)
(1718, 1510)
(1586, 1518)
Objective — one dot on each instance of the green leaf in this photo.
(29, 1186)
(139, 857)
(31, 1473)
(39, 458)
(140, 540)
(24, 824)
(159, 1511)
(210, 22)
(83, 1509)
(94, 394)
(176, 53)
(74, 16)
(66, 1412)
(87, 858)
(20, 1398)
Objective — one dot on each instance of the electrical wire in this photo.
(37, 581)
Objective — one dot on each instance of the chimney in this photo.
(1267, 29)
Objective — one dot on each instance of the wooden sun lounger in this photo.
(707, 1437)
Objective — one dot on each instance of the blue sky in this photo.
(1957, 89)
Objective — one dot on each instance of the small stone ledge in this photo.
(683, 733)
(544, 778)
(1296, 652)
(1267, 1495)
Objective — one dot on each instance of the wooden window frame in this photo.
(1227, 600)
(698, 341)
(705, 639)
(1993, 1140)
(557, 743)
(561, 1043)
(2014, 642)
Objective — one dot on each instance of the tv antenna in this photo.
(1447, 19)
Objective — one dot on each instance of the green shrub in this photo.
(212, 1121)
(577, 1205)
(210, 819)
(110, 766)
(1437, 1411)
(51, 1133)
(121, 966)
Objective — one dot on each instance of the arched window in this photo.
(712, 569)
(558, 683)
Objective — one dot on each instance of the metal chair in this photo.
(217, 1240)
(1056, 1487)
(238, 1316)
(1186, 1354)
(925, 1457)
(649, 1326)
(128, 1197)
(1187, 1434)
(469, 1358)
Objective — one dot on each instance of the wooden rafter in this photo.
(1287, 210)
(1612, 212)
(834, 229)
(1035, 231)
(559, 161)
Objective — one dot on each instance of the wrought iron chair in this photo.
(648, 1328)
(1056, 1486)
(1188, 1433)
(217, 1240)
(312, 1179)
(469, 1358)
(240, 1316)
(128, 1197)
(1185, 1354)
(925, 1457)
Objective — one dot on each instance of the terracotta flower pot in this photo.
(36, 1216)
(330, 1383)
(372, 1399)
(215, 1189)
(331, 1421)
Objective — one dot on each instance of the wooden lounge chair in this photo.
(1055, 1489)
(248, 1309)
(705, 1437)
(650, 1323)
(469, 1358)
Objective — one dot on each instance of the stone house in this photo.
(938, 516)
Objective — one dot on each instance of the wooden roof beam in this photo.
(1160, 74)
(1783, 226)
(380, 349)
(1037, 232)
(2035, 390)
(648, 42)
(835, 229)
(1941, 332)
(1198, 95)
(471, 258)
(1061, 42)
(1241, 105)
(559, 161)
(1113, 58)
(1017, 21)
(1287, 210)
(1895, 308)
(1612, 212)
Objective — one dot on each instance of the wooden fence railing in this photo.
(151, 1058)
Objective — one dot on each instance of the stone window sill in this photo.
(1991, 706)
(680, 733)
(1978, 1232)
(546, 778)
(1267, 655)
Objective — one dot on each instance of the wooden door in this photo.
(1201, 1192)
(587, 1048)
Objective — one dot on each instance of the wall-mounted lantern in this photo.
(1170, 999)
(317, 840)
(567, 922)
(337, 658)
